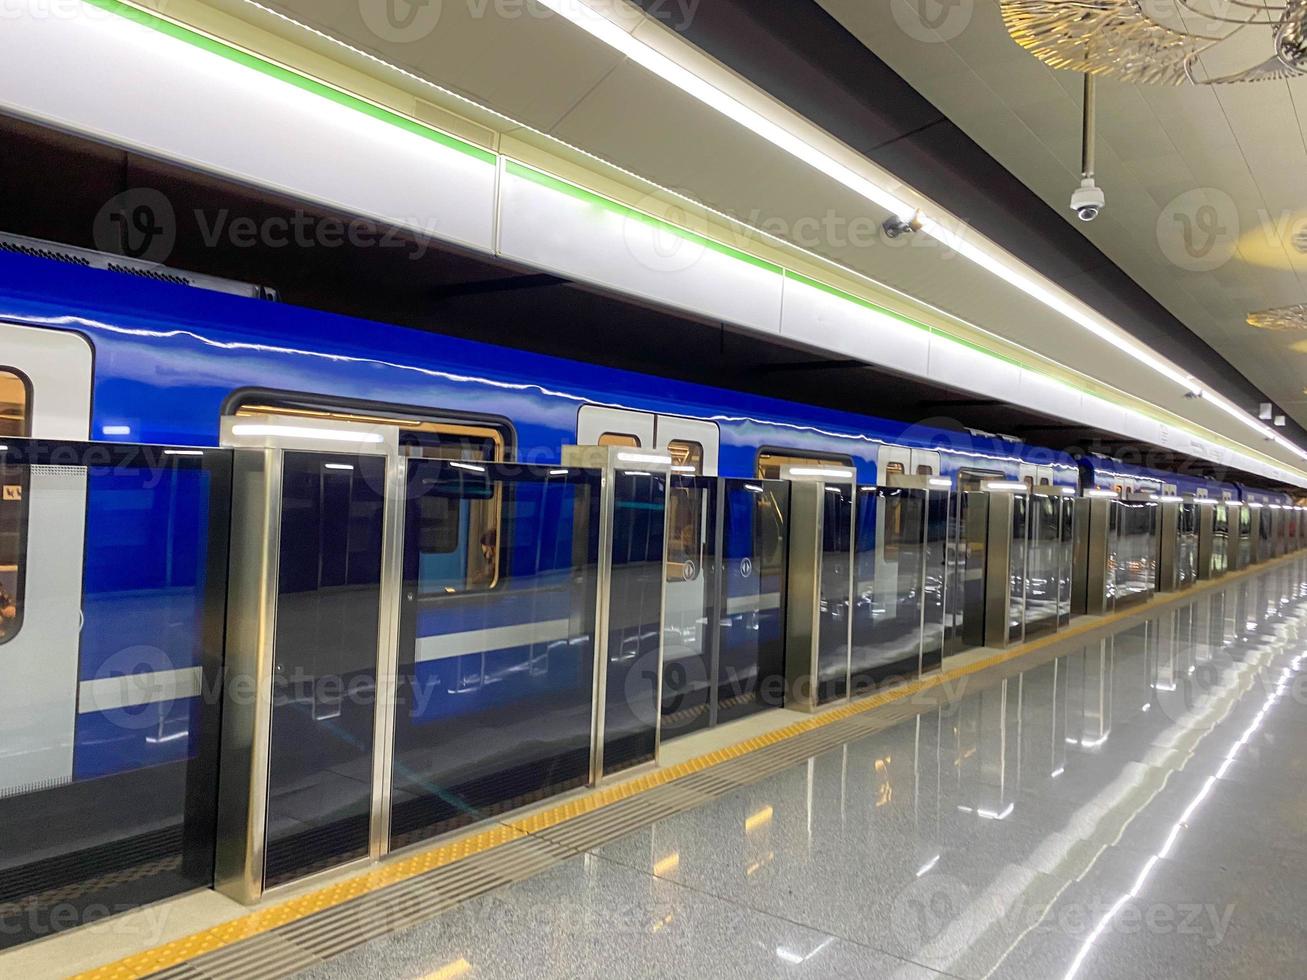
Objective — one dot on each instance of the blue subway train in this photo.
(102, 356)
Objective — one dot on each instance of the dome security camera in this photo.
(1088, 200)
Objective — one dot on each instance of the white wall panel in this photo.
(583, 238)
(1043, 394)
(815, 316)
(100, 74)
(963, 367)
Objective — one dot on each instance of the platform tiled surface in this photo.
(1134, 808)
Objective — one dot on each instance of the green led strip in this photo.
(272, 70)
(341, 98)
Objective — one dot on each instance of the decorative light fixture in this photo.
(1125, 39)
(1281, 318)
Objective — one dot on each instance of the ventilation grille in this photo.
(88, 259)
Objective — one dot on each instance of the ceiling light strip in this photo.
(989, 257)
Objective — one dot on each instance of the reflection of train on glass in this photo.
(102, 356)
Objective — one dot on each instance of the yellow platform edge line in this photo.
(392, 872)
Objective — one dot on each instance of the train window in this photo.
(770, 462)
(924, 470)
(1029, 481)
(1045, 481)
(622, 440)
(894, 469)
(15, 422)
(458, 537)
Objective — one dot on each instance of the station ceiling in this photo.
(1206, 185)
(552, 80)
(542, 71)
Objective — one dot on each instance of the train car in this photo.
(1099, 472)
(109, 357)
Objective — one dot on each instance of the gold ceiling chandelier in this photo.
(1283, 318)
(1125, 39)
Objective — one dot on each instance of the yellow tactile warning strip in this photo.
(402, 869)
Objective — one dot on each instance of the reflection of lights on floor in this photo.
(1281, 687)
(990, 814)
(926, 868)
(789, 956)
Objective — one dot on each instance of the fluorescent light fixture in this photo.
(1068, 491)
(344, 467)
(1006, 486)
(1255, 506)
(1265, 411)
(559, 472)
(470, 467)
(645, 458)
(822, 472)
(941, 483)
(615, 36)
(4, 449)
(304, 432)
(684, 469)
(1169, 499)
(116, 430)
(754, 488)
(1102, 493)
(183, 452)
(636, 473)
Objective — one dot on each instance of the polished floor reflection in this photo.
(1132, 808)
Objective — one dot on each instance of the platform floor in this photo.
(1130, 809)
(1128, 802)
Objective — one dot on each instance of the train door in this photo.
(599, 426)
(925, 462)
(45, 393)
(694, 529)
(892, 461)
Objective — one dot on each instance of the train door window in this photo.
(459, 536)
(622, 440)
(924, 470)
(771, 461)
(685, 543)
(15, 422)
(893, 469)
(972, 480)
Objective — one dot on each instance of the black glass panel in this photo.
(1136, 556)
(634, 620)
(834, 621)
(109, 726)
(692, 589)
(966, 603)
(888, 599)
(751, 669)
(496, 686)
(935, 597)
(1044, 571)
(1067, 581)
(324, 688)
(1019, 567)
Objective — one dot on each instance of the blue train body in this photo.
(170, 360)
